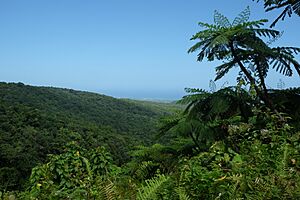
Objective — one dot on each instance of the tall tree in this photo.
(242, 43)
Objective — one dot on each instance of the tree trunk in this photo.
(261, 94)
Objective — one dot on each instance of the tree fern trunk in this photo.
(261, 95)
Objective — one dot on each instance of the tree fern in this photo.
(242, 44)
(207, 113)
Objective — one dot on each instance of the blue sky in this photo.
(133, 48)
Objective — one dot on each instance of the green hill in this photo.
(37, 121)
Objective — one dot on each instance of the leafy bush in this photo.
(75, 174)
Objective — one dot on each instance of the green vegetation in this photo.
(239, 142)
(241, 44)
(37, 121)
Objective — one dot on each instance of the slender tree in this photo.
(242, 43)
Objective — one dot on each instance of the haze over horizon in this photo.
(133, 49)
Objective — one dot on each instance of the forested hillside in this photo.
(37, 121)
(237, 142)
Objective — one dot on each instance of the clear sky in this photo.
(132, 48)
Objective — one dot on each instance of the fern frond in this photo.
(109, 191)
(290, 7)
(272, 40)
(242, 17)
(221, 20)
(143, 167)
(205, 34)
(220, 39)
(266, 32)
(149, 191)
(140, 151)
(195, 94)
(182, 194)
(168, 123)
(88, 166)
(223, 69)
(195, 90)
(199, 45)
(282, 59)
(282, 65)
(257, 23)
(209, 26)
(289, 50)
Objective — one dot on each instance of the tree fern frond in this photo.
(286, 11)
(290, 7)
(168, 123)
(88, 166)
(143, 167)
(296, 8)
(283, 58)
(286, 61)
(272, 40)
(283, 66)
(221, 20)
(202, 35)
(182, 194)
(251, 24)
(242, 17)
(223, 69)
(202, 44)
(194, 96)
(289, 50)
(140, 151)
(195, 91)
(267, 32)
(209, 26)
(149, 191)
(220, 39)
(109, 191)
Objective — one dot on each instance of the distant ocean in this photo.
(153, 95)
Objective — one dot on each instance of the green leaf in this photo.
(237, 158)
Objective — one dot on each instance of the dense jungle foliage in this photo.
(37, 121)
(238, 142)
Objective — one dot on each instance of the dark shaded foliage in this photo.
(289, 7)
